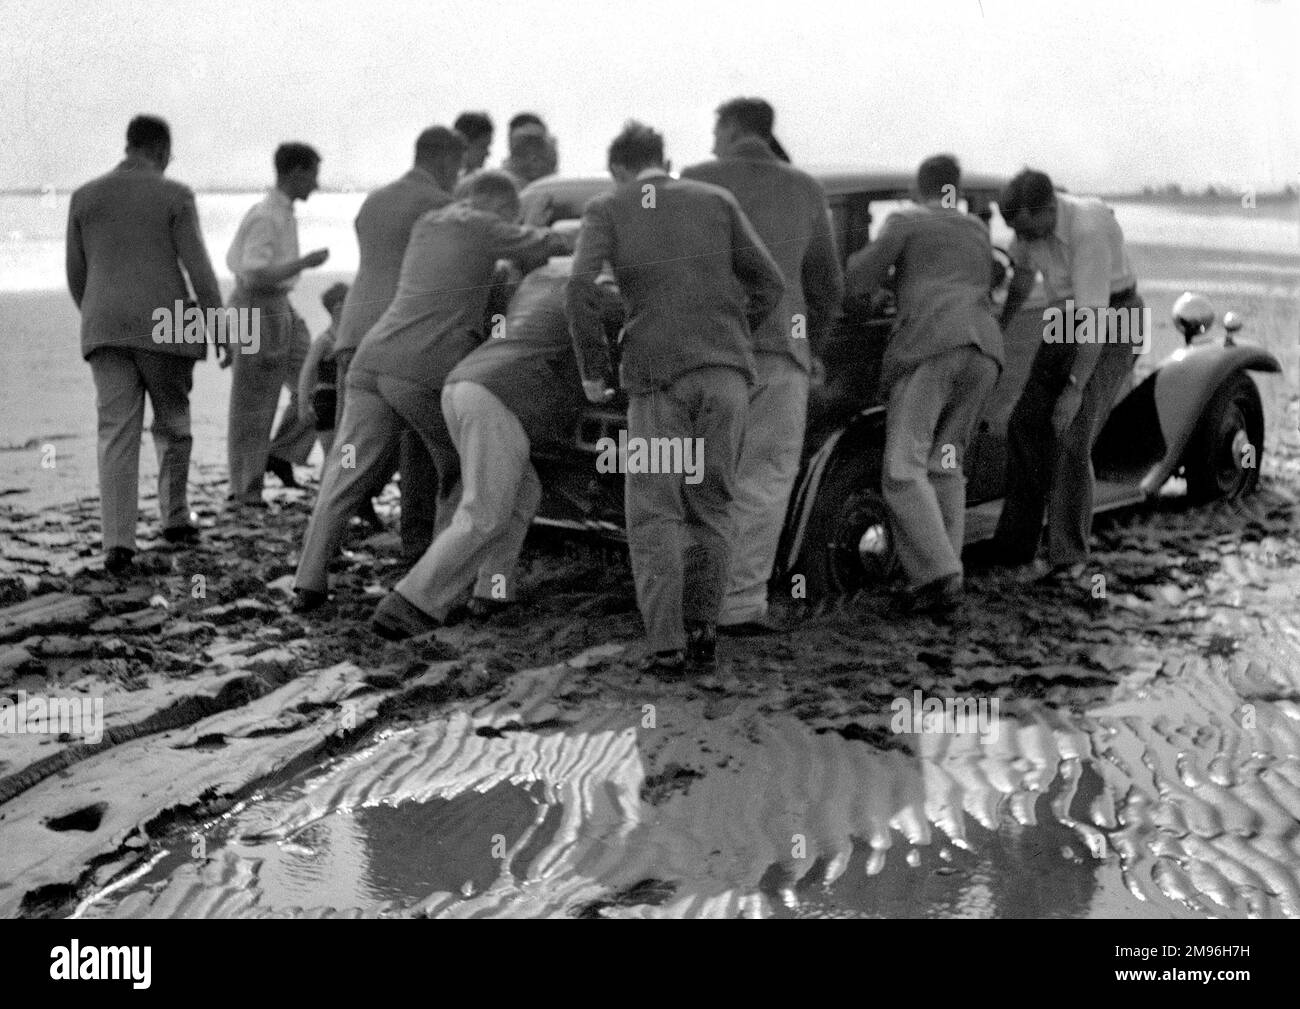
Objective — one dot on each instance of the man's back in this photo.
(128, 233)
(531, 367)
(682, 252)
(788, 210)
(943, 260)
(436, 314)
(383, 227)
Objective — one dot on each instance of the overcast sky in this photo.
(1103, 95)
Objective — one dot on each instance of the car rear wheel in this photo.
(849, 542)
(1222, 459)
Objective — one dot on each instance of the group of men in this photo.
(725, 280)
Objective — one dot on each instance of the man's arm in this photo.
(254, 260)
(75, 257)
(321, 347)
(823, 280)
(1090, 268)
(526, 246)
(755, 267)
(868, 268)
(187, 238)
(1018, 291)
(583, 302)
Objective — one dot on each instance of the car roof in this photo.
(568, 195)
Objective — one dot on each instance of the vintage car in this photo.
(1195, 415)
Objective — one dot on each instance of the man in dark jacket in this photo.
(697, 281)
(131, 233)
(941, 363)
(518, 390)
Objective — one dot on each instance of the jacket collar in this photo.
(752, 149)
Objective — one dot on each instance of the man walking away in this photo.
(397, 376)
(940, 365)
(1078, 247)
(133, 240)
(696, 281)
(383, 227)
(789, 211)
(264, 259)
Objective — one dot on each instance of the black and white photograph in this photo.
(570, 459)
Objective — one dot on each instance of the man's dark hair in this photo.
(935, 173)
(148, 131)
(525, 119)
(1028, 189)
(753, 115)
(473, 125)
(637, 147)
(438, 142)
(527, 143)
(294, 155)
(488, 183)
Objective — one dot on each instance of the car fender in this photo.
(1185, 382)
(849, 439)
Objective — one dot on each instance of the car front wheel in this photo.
(849, 542)
(1222, 459)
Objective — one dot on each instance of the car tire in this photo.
(1215, 463)
(848, 543)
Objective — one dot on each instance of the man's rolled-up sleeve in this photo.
(583, 297)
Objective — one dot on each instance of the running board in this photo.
(982, 519)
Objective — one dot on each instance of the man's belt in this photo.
(1124, 295)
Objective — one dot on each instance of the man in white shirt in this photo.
(1078, 247)
(265, 261)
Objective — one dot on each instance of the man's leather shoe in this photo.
(118, 560)
(941, 596)
(186, 534)
(283, 469)
(702, 647)
(306, 600)
(479, 608)
(666, 663)
(397, 618)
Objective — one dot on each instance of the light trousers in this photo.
(255, 383)
(765, 474)
(679, 525)
(122, 380)
(499, 496)
(931, 414)
(378, 407)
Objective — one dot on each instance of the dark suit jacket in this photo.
(789, 211)
(130, 232)
(383, 228)
(944, 263)
(530, 366)
(693, 273)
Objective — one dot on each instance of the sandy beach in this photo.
(1145, 761)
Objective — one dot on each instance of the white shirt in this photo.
(267, 236)
(1084, 258)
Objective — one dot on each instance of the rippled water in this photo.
(547, 803)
